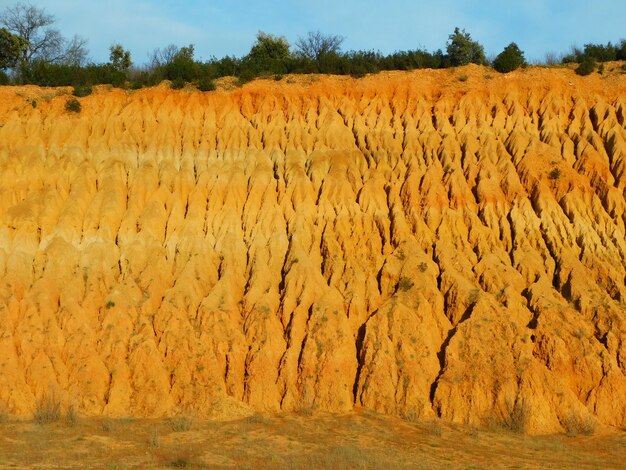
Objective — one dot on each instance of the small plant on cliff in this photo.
(517, 418)
(73, 105)
(586, 67)
(82, 90)
(405, 284)
(555, 174)
(48, 410)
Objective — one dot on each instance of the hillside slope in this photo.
(408, 243)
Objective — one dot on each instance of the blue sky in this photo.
(221, 27)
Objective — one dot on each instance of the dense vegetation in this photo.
(33, 52)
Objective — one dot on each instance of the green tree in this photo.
(463, 50)
(120, 58)
(269, 54)
(511, 58)
(11, 48)
(182, 66)
(43, 42)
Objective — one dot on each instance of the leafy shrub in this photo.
(82, 90)
(405, 284)
(4, 78)
(600, 52)
(136, 85)
(177, 84)
(73, 105)
(511, 58)
(48, 410)
(586, 67)
(555, 174)
(179, 462)
(206, 84)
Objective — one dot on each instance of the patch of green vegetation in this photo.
(404, 284)
(73, 106)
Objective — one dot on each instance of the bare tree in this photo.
(43, 42)
(317, 45)
(160, 57)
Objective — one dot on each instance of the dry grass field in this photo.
(355, 440)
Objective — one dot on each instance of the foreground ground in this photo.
(358, 440)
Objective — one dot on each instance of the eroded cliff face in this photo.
(408, 243)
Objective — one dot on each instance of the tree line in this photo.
(33, 51)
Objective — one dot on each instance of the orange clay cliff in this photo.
(430, 243)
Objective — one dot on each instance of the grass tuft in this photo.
(181, 423)
(48, 410)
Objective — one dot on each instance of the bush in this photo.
(73, 105)
(48, 410)
(82, 90)
(600, 52)
(586, 67)
(405, 284)
(136, 86)
(511, 58)
(4, 78)
(177, 84)
(206, 84)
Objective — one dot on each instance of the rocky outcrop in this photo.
(407, 243)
